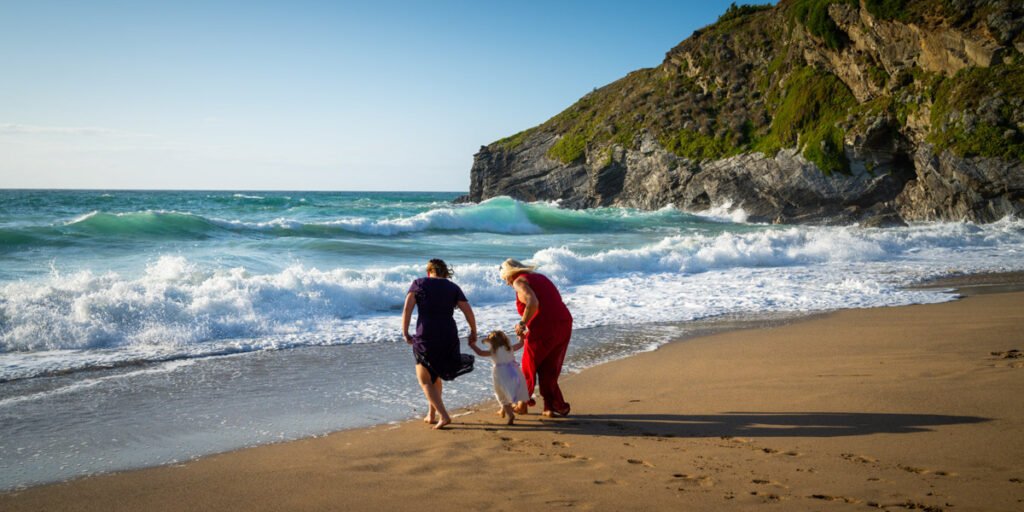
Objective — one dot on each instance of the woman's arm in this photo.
(525, 295)
(467, 311)
(410, 302)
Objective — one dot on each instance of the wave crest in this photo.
(501, 215)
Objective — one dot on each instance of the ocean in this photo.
(150, 327)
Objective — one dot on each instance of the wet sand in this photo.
(915, 407)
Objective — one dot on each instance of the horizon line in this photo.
(106, 189)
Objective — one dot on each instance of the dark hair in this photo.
(439, 268)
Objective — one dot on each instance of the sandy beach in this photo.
(913, 407)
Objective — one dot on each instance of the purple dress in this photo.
(436, 342)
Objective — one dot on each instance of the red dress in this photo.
(547, 338)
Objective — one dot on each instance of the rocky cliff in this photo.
(868, 111)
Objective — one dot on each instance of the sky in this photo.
(301, 94)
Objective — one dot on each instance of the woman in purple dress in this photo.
(436, 342)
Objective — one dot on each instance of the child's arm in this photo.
(519, 344)
(480, 352)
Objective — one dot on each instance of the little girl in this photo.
(509, 384)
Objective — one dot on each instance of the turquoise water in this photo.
(160, 274)
(140, 328)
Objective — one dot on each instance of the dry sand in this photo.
(898, 408)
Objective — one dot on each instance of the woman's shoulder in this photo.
(417, 285)
(533, 277)
(435, 284)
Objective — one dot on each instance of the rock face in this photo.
(915, 114)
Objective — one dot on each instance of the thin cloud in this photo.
(90, 131)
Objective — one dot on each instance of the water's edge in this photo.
(956, 286)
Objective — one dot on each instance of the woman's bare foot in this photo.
(428, 419)
(556, 414)
(441, 423)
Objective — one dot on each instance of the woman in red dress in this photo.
(546, 327)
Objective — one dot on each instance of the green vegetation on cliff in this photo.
(605, 116)
(751, 83)
(813, 104)
(813, 14)
(979, 111)
(697, 146)
(738, 11)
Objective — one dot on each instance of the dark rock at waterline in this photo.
(914, 115)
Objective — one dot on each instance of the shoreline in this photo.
(653, 426)
(590, 355)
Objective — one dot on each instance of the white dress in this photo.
(509, 383)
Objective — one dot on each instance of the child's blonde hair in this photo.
(498, 339)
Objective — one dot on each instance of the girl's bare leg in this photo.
(432, 390)
(507, 411)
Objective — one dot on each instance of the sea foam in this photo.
(176, 308)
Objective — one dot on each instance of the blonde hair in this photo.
(439, 268)
(498, 339)
(511, 267)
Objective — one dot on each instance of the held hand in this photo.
(472, 338)
(408, 338)
(520, 329)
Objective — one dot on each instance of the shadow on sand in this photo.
(734, 424)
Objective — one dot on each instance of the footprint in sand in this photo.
(793, 454)
(763, 481)
(640, 462)
(609, 481)
(769, 451)
(560, 443)
(909, 505)
(863, 459)
(1009, 354)
(573, 456)
(768, 496)
(828, 497)
(688, 480)
(913, 469)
